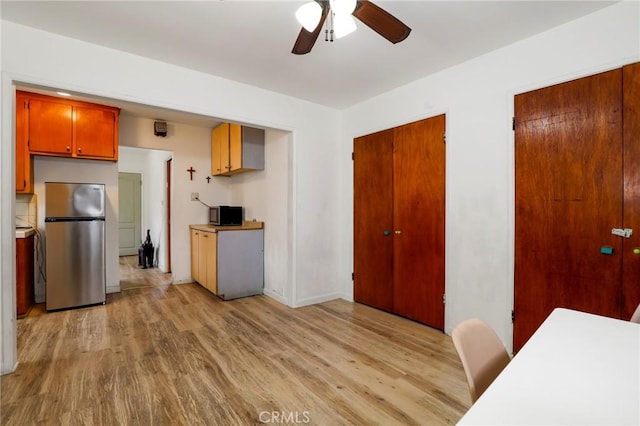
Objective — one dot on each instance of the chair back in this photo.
(482, 354)
(636, 316)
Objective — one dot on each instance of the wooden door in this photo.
(631, 141)
(568, 167)
(373, 220)
(95, 133)
(168, 213)
(129, 212)
(419, 217)
(52, 131)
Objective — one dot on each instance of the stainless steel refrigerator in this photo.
(75, 245)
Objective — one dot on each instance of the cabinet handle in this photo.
(68, 148)
(206, 236)
(79, 150)
(398, 232)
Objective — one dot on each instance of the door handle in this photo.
(626, 232)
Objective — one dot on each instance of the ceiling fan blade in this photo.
(305, 41)
(381, 21)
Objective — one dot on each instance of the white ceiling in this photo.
(251, 41)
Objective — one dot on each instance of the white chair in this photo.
(636, 316)
(482, 354)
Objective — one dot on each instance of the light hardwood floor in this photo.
(134, 276)
(177, 355)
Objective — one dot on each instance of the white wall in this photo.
(477, 97)
(264, 195)
(36, 57)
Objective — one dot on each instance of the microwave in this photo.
(226, 216)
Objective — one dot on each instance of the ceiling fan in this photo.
(312, 16)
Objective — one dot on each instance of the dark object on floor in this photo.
(145, 252)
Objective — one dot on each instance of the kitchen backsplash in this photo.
(26, 211)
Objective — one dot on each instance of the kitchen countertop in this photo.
(245, 226)
(24, 232)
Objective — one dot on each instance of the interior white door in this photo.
(129, 207)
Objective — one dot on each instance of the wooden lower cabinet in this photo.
(24, 274)
(203, 259)
(229, 262)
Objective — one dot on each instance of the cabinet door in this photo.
(195, 273)
(50, 127)
(235, 147)
(24, 274)
(207, 262)
(24, 176)
(95, 132)
(373, 220)
(212, 262)
(219, 149)
(203, 238)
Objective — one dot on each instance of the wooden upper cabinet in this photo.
(62, 127)
(219, 149)
(236, 149)
(24, 163)
(96, 132)
(50, 126)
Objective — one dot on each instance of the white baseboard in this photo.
(317, 299)
(276, 296)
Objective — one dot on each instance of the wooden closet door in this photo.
(373, 220)
(568, 167)
(631, 140)
(419, 215)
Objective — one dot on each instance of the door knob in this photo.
(636, 251)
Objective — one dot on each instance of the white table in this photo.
(577, 369)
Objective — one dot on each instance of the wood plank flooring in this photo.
(178, 355)
(134, 276)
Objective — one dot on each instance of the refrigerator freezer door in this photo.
(75, 264)
(66, 200)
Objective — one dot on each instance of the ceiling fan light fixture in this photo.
(343, 25)
(308, 15)
(342, 7)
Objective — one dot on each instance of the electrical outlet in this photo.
(195, 196)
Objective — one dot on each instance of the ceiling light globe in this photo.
(343, 25)
(308, 15)
(342, 7)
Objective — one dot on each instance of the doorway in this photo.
(153, 192)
